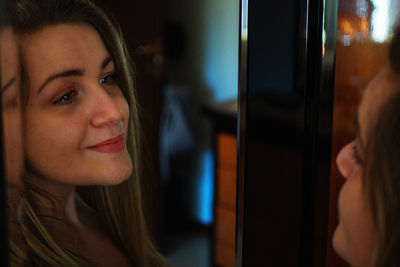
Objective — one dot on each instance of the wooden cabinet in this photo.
(225, 200)
(223, 118)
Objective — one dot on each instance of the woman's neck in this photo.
(53, 200)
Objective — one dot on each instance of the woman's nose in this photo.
(345, 160)
(106, 110)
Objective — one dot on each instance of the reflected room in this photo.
(186, 62)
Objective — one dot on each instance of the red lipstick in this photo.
(112, 145)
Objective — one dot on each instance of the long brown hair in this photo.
(120, 207)
(383, 183)
(382, 171)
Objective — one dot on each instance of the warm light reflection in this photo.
(380, 20)
(346, 27)
(323, 42)
(355, 26)
(364, 26)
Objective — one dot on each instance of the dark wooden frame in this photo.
(314, 80)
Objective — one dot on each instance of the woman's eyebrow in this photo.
(73, 72)
(106, 62)
(5, 87)
(66, 73)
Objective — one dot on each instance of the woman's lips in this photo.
(112, 145)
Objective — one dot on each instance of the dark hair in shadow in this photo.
(383, 182)
(382, 170)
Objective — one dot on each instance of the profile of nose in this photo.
(345, 160)
(105, 111)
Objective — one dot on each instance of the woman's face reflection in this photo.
(355, 235)
(76, 118)
(11, 109)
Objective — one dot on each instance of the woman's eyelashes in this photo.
(67, 98)
(108, 79)
(356, 155)
(72, 95)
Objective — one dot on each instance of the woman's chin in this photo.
(110, 171)
(116, 176)
(338, 242)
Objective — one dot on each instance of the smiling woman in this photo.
(368, 233)
(81, 140)
(75, 108)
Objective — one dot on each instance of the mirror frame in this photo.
(316, 53)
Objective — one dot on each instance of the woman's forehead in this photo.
(51, 40)
(61, 47)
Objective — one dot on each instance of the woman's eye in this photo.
(356, 155)
(10, 103)
(109, 79)
(66, 99)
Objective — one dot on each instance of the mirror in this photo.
(364, 30)
(300, 83)
(185, 81)
(11, 115)
(90, 122)
(186, 56)
(11, 136)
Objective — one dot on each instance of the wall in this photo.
(209, 72)
(211, 60)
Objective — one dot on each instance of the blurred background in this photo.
(304, 66)
(186, 57)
